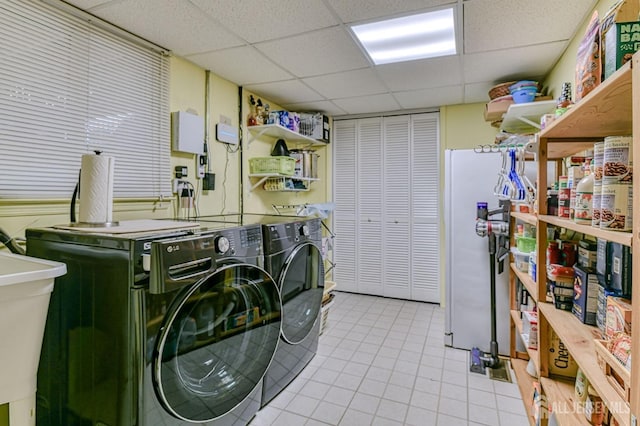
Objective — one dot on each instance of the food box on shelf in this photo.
(601, 315)
(620, 35)
(587, 253)
(617, 375)
(585, 294)
(618, 317)
(530, 328)
(562, 295)
(619, 259)
(561, 363)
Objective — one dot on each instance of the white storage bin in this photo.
(521, 259)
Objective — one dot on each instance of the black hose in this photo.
(10, 243)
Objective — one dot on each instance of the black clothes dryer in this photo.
(164, 328)
(293, 257)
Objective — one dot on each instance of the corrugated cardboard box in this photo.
(561, 363)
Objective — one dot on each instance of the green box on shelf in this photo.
(526, 244)
(621, 41)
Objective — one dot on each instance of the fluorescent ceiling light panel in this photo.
(426, 35)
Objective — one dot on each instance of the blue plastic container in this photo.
(527, 94)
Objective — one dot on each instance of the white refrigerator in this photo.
(470, 177)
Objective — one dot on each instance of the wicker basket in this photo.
(501, 89)
(266, 165)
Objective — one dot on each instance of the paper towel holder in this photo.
(72, 216)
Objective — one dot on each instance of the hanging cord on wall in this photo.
(193, 201)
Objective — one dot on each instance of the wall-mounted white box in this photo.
(187, 132)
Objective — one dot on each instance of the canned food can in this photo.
(616, 211)
(598, 161)
(618, 160)
(597, 204)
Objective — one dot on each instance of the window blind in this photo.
(68, 88)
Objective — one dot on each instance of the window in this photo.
(68, 88)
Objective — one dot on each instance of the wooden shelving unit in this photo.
(525, 384)
(527, 281)
(606, 111)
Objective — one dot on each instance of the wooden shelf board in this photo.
(527, 281)
(525, 384)
(578, 339)
(560, 150)
(606, 111)
(529, 218)
(618, 237)
(561, 399)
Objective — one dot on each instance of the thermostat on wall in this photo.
(187, 132)
(227, 133)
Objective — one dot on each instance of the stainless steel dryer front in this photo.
(160, 329)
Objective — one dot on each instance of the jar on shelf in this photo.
(568, 253)
(554, 255)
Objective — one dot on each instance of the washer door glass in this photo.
(216, 343)
(301, 289)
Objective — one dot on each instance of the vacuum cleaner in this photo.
(493, 224)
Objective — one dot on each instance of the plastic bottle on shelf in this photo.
(584, 199)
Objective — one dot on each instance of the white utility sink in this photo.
(26, 284)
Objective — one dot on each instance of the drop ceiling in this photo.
(301, 54)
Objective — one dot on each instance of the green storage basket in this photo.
(268, 165)
(526, 244)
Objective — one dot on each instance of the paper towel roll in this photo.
(96, 189)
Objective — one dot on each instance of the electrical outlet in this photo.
(201, 162)
(178, 185)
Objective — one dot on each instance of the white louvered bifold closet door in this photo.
(425, 209)
(397, 207)
(369, 206)
(387, 242)
(345, 172)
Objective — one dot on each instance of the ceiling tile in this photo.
(347, 84)
(259, 20)
(242, 65)
(427, 98)
(320, 52)
(421, 74)
(500, 24)
(87, 4)
(284, 91)
(368, 104)
(477, 92)
(176, 25)
(500, 66)
(358, 10)
(325, 107)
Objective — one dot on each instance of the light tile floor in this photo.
(383, 362)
